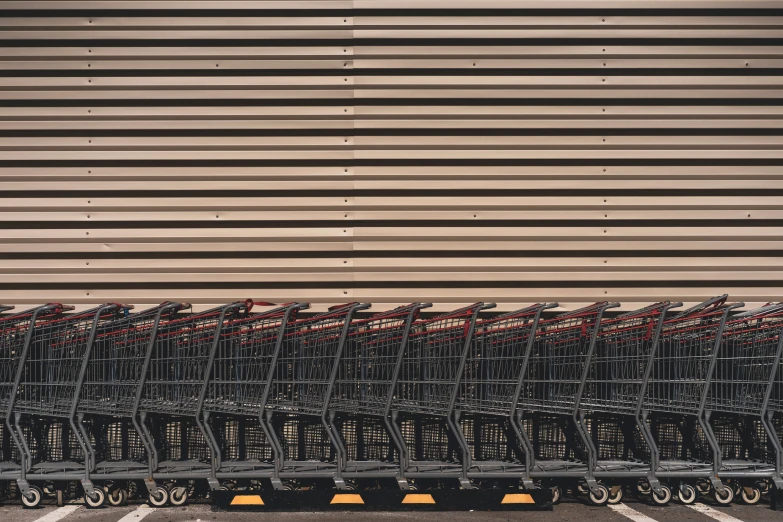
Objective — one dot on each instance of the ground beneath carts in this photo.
(569, 511)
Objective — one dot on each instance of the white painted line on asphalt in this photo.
(713, 513)
(58, 514)
(630, 513)
(137, 514)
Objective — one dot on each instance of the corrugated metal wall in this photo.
(390, 151)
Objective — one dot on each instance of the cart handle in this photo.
(336, 311)
(463, 312)
(715, 303)
(593, 308)
(47, 309)
(400, 310)
(657, 307)
(280, 309)
(5, 308)
(530, 310)
(341, 306)
(766, 310)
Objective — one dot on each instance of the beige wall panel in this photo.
(391, 151)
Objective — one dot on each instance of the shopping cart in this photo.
(108, 401)
(486, 406)
(171, 402)
(737, 402)
(553, 379)
(296, 409)
(44, 399)
(773, 423)
(15, 332)
(609, 408)
(236, 396)
(682, 447)
(360, 402)
(433, 449)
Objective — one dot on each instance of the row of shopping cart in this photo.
(168, 405)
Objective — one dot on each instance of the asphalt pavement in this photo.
(568, 511)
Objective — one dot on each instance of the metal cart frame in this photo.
(488, 395)
(237, 393)
(296, 408)
(426, 394)
(171, 400)
(678, 386)
(360, 402)
(553, 380)
(47, 386)
(15, 334)
(108, 400)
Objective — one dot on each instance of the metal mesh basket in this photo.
(366, 438)
(429, 439)
(684, 359)
(369, 363)
(55, 356)
(14, 330)
(617, 438)
(115, 440)
(307, 363)
(555, 369)
(554, 438)
(9, 452)
(181, 358)
(117, 361)
(302, 438)
(178, 439)
(491, 438)
(740, 437)
(680, 438)
(241, 439)
(491, 376)
(51, 440)
(433, 360)
(621, 359)
(749, 352)
(244, 358)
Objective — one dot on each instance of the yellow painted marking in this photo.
(418, 498)
(247, 500)
(347, 498)
(518, 498)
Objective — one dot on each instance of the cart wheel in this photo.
(615, 497)
(132, 490)
(97, 500)
(703, 486)
(73, 490)
(178, 496)
(60, 500)
(557, 495)
(582, 488)
(663, 497)
(643, 488)
(36, 495)
(687, 494)
(600, 497)
(160, 497)
(118, 497)
(753, 498)
(725, 496)
(764, 487)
